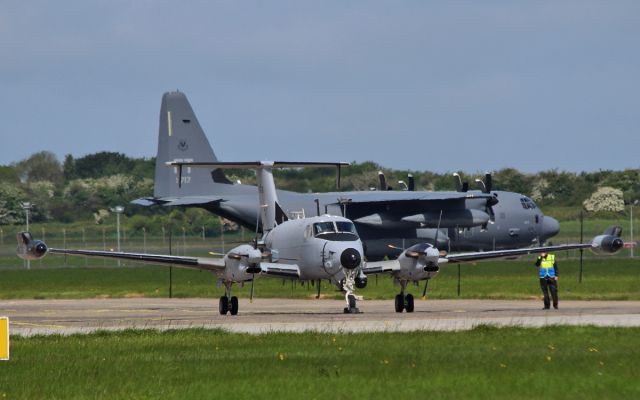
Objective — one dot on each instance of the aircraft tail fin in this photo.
(181, 138)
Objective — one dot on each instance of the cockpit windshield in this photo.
(344, 226)
(527, 203)
(323, 227)
(338, 231)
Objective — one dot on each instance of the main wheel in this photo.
(399, 303)
(408, 303)
(223, 305)
(233, 307)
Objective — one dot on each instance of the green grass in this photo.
(485, 363)
(603, 278)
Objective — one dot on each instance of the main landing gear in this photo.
(228, 303)
(404, 301)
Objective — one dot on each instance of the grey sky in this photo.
(441, 86)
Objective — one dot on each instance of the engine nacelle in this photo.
(28, 248)
(606, 244)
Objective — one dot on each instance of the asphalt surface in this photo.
(33, 317)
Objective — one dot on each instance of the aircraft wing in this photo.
(283, 270)
(486, 255)
(380, 267)
(202, 263)
(404, 196)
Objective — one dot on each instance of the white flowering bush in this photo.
(605, 199)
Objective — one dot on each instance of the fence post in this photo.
(64, 244)
(184, 241)
(84, 244)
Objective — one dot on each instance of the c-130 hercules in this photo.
(386, 221)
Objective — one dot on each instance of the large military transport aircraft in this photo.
(310, 249)
(469, 220)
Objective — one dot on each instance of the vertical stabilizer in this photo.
(181, 139)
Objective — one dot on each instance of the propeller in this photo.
(485, 186)
(411, 186)
(488, 182)
(460, 186)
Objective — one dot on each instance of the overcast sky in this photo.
(424, 85)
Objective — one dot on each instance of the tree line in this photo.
(84, 188)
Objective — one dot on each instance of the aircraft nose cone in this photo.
(350, 258)
(550, 227)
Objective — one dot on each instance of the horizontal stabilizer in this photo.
(257, 164)
(178, 201)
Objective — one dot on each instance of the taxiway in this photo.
(33, 317)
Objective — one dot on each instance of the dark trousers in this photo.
(549, 285)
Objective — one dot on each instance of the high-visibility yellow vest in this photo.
(546, 266)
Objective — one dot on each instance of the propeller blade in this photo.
(481, 186)
(412, 183)
(424, 292)
(458, 181)
(383, 181)
(253, 279)
(465, 186)
(488, 180)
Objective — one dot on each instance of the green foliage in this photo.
(106, 163)
(41, 166)
(82, 186)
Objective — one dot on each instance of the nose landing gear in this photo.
(347, 286)
(404, 301)
(228, 303)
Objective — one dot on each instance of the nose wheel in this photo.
(228, 303)
(347, 286)
(404, 301)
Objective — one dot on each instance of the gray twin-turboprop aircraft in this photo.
(461, 220)
(310, 249)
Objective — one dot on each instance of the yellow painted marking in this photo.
(169, 123)
(4, 338)
(39, 325)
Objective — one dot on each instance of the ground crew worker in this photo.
(548, 272)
